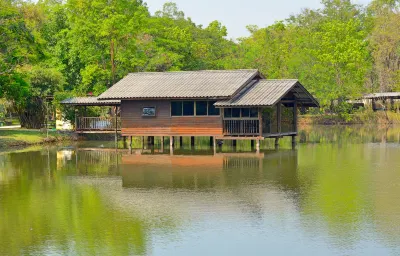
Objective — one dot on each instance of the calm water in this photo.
(337, 193)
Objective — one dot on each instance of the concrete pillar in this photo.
(214, 145)
(162, 143)
(257, 145)
(171, 145)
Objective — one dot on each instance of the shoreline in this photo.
(361, 118)
(17, 138)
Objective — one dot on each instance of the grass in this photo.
(22, 137)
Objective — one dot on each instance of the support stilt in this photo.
(162, 143)
(214, 145)
(192, 141)
(257, 145)
(276, 142)
(171, 145)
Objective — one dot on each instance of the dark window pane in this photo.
(176, 108)
(235, 112)
(245, 112)
(212, 110)
(201, 108)
(188, 108)
(253, 112)
(227, 112)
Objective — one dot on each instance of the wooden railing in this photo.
(97, 123)
(242, 126)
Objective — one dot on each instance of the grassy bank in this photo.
(365, 117)
(22, 137)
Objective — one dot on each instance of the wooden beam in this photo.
(116, 126)
(279, 116)
(295, 115)
(260, 123)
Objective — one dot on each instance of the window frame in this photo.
(241, 116)
(194, 115)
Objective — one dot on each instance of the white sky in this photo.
(237, 14)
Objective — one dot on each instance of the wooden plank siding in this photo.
(134, 124)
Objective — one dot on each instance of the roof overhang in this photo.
(89, 101)
(268, 93)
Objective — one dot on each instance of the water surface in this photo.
(336, 193)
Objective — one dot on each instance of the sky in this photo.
(237, 14)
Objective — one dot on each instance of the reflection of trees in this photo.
(42, 211)
(339, 188)
(101, 162)
(343, 134)
(347, 188)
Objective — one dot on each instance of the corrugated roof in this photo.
(180, 84)
(90, 101)
(267, 93)
(394, 95)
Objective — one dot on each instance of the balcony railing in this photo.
(242, 126)
(97, 123)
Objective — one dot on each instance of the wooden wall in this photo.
(134, 124)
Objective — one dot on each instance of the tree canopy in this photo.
(76, 47)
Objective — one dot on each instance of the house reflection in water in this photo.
(210, 171)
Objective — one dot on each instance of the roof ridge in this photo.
(283, 79)
(194, 71)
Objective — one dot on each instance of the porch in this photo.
(264, 122)
(97, 124)
(109, 122)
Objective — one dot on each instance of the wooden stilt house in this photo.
(224, 104)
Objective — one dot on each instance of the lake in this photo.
(336, 193)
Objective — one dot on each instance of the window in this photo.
(240, 112)
(245, 112)
(201, 108)
(253, 112)
(212, 110)
(188, 108)
(194, 108)
(227, 112)
(235, 112)
(176, 108)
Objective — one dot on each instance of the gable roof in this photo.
(181, 84)
(268, 92)
(90, 101)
